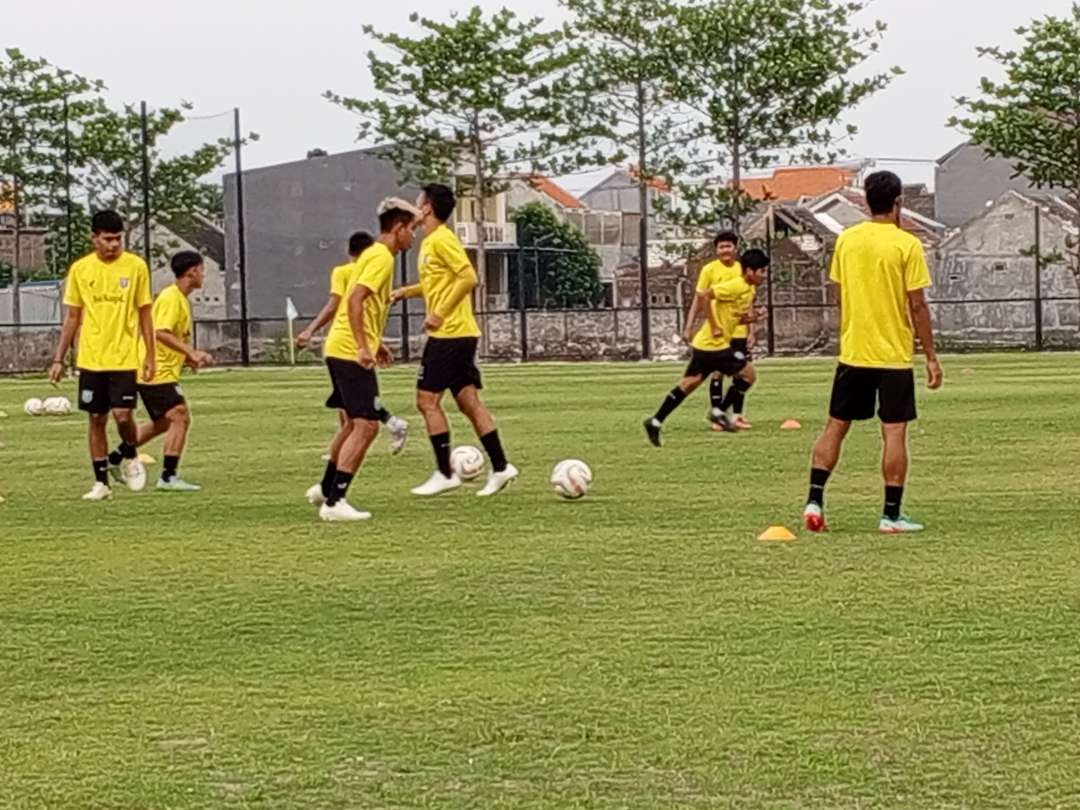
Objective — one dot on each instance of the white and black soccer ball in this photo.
(571, 479)
(34, 407)
(57, 406)
(467, 462)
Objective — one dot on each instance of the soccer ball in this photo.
(57, 406)
(571, 479)
(34, 406)
(467, 462)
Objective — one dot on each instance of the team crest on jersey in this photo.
(124, 283)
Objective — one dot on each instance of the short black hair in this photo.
(754, 259)
(883, 189)
(359, 242)
(442, 200)
(184, 261)
(394, 216)
(726, 236)
(107, 222)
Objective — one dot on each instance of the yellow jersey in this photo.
(712, 274)
(877, 265)
(374, 270)
(110, 296)
(339, 278)
(442, 262)
(172, 313)
(734, 297)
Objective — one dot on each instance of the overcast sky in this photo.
(275, 59)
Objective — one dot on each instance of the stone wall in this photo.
(27, 349)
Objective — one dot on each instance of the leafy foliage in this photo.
(567, 267)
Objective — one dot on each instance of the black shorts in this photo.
(857, 390)
(728, 362)
(356, 389)
(160, 399)
(101, 391)
(741, 345)
(449, 364)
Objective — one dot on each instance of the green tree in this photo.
(1032, 116)
(768, 80)
(567, 267)
(32, 124)
(476, 99)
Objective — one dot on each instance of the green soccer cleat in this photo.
(177, 485)
(902, 525)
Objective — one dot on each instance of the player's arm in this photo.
(924, 329)
(411, 291)
(194, 357)
(72, 322)
(357, 297)
(146, 328)
(322, 319)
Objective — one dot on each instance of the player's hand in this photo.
(149, 370)
(56, 372)
(688, 337)
(397, 295)
(935, 377)
(365, 358)
(201, 359)
(303, 339)
(433, 321)
(717, 331)
(384, 357)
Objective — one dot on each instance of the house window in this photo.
(1000, 267)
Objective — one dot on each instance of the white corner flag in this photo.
(291, 315)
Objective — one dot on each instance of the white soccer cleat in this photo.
(399, 433)
(498, 481)
(437, 485)
(315, 495)
(99, 492)
(342, 512)
(902, 525)
(133, 473)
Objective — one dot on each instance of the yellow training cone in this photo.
(778, 534)
(145, 459)
(791, 424)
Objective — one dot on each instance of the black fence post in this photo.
(522, 296)
(241, 244)
(146, 184)
(1038, 281)
(405, 349)
(768, 283)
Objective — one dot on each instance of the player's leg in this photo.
(716, 396)
(94, 400)
(502, 472)
(157, 399)
(897, 408)
(742, 380)
(438, 371)
(359, 389)
(695, 375)
(398, 428)
(179, 419)
(132, 471)
(738, 402)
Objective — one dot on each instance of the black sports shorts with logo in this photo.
(102, 391)
(857, 390)
(449, 364)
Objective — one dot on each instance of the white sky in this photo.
(275, 59)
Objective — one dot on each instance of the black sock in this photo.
(818, 479)
(169, 465)
(328, 478)
(115, 457)
(493, 447)
(673, 401)
(738, 402)
(441, 445)
(736, 392)
(893, 498)
(383, 415)
(127, 451)
(340, 487)
(101, 470)
(716, 391)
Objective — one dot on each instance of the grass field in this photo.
(637, 649)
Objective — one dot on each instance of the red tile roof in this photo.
(556, 192)
(792, 184)
(658, 183)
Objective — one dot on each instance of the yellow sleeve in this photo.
(916, 271)
(704, 279)
(168, 313)
(143, 298)
(339, 281)
(72, 293)
(730, 290)
(834, 268)
(377, 273)
(451, 253)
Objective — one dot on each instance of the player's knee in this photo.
(99, 420)
(427, 404)
(180, 416)
(123, 417)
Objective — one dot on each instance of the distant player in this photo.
(107, 295)
(353, 349)
(882, 274)
(162, 397)
(728, 305)
(358, 243)
(726, 265)
(447, 279)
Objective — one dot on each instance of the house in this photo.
(620, 192)
(670, 287)
(847, 206)
(985, 281)
(794, 183)
(967, 180)
(32, 242)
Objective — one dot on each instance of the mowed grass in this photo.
(637, 649)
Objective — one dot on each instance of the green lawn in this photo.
(637, 649)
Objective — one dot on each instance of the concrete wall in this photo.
(40, 303)
(298, 219)
(967, 180)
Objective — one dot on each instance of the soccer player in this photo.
(353, 349)
(107, 295)
(882, 273)
(358, 243)
(447, 279)
(728, 303)
(162, 396)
